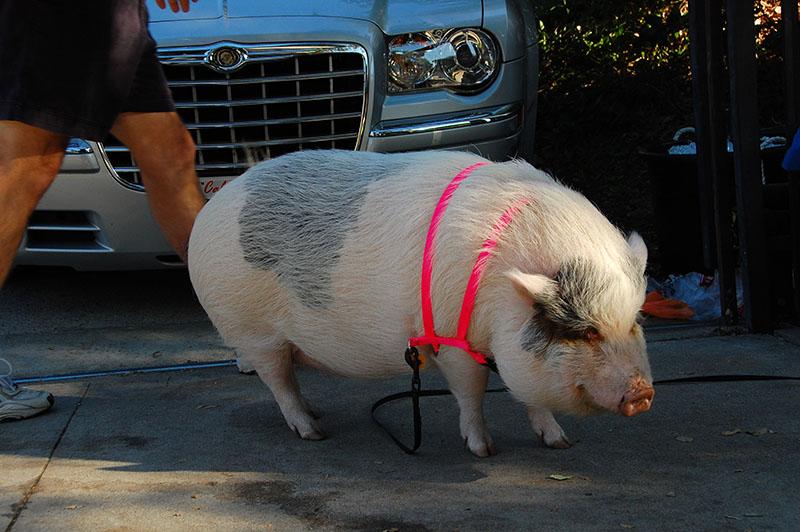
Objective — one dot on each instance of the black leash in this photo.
(413, 360)
(726, 378)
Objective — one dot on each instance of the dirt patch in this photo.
(312, 507)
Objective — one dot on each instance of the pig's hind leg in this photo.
(244, 366)
(275, 368)
(467, 381)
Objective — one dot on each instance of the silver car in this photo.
(254, 79)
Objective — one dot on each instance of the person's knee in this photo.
(30, 158)
(31, 175)
(45, 169)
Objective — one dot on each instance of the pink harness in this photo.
(460, 339)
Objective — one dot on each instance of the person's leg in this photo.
(165, 154)
(29, 161)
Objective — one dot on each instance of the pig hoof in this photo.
(561, 443)
(312, 435)
(554, 439)
(308, 430)
(315, 435)
(547, 428)
(481, 449)
(244, 367)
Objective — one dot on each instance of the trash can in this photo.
(682, 222)
(684, 211)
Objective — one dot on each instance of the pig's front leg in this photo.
(547, 428)
(467, 381)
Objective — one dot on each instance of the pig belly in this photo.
(332, 339)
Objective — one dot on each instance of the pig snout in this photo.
(637, 399)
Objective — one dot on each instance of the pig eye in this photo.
(592, 335)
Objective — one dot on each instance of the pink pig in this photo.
(315, 257)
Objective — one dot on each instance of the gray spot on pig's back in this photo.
(297, 212)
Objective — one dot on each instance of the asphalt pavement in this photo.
(208, 449)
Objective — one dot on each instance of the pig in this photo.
(316, 257)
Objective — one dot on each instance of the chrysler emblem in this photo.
(225, 58)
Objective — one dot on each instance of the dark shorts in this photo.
(72, 66)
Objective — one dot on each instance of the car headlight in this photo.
(462, 60)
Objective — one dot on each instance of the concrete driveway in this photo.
(208, 449)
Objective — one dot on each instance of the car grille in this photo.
(284, 98)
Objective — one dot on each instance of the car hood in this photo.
(392, 16)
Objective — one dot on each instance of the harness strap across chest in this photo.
(460, 339)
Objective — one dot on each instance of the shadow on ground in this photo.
(208, 448)
(165, 443)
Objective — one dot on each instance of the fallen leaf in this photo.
(556, 476)
(731, 432)
(685, 439)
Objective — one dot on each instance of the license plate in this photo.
(212, 185)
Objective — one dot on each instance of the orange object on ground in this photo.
(671, 309)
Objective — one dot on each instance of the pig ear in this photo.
(533, 288)
(639, 250)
